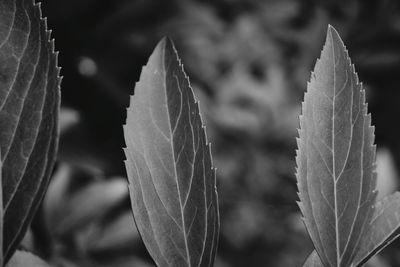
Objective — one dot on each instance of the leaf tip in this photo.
(166, 44)
(331, 28)
(333, 37)
(166, 41)
(332, 32)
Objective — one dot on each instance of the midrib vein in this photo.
(333, 153)
(173, 157)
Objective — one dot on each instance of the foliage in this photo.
(171, 177)
(336, 166)
(29, 107)
(248, 62)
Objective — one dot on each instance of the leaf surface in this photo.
(29, 104)
(171, 177)
(336, 158)
(313, 260)
(383, 228)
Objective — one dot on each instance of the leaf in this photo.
(336, 165)
(384, 228)
(24, 258)
(313, 260)
(171, 178)
(29, 104)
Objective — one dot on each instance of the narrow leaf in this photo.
(313, 260)
(171, 178)
(336, 157)
(29, 104)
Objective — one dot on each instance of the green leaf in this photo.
(313, 260)
(171, 178)
(24, 258)
(29, 104)
(336, 165)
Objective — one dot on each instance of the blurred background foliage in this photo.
(249, 62)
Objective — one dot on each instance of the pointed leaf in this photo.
(313, 260)
(171, 178)
(336, 157)
(29, 104)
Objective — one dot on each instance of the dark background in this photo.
(249, 62)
